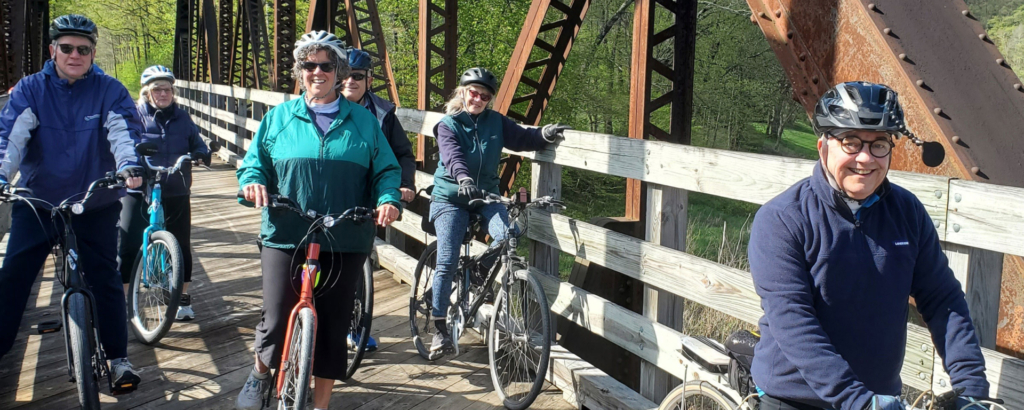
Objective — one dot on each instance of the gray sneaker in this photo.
(251, 396)
(125, 378)
(185, 308)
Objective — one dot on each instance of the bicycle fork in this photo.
(75, 284)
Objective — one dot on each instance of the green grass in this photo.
(798, 141)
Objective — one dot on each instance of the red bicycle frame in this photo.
(309, 274)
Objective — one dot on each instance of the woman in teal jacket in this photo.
(329, 155)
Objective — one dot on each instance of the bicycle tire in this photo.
(80, 332)
(362, 319)
(149, 322)
(420, 304)
(706, 396)
(519, 392)
(298, 367)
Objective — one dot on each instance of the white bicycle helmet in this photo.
(322, 38)
(157, 72)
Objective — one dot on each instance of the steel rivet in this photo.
(789, 34)
(956, 139)
(920, 83)
(956, 227)
(937, 111)
(903, 56)
(872, 7)
(887, 30)
(924, 347)
(803, 56)
(803, 92)
(762, 15)
(814, 79)
(965, 12)
(1017, 86)
(982, 37)
(975, 170)
(956, 197)
(923, 376)
(938, 194)
(999, 61)
(778, 13)
(753, 19)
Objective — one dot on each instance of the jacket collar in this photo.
(466, 120)
(831, 197)
(168, 113)
(301, 111)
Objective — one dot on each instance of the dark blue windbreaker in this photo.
(174, 133)
(62, 136)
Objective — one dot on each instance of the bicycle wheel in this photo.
(696, 395)
(153, 297)
(80, 332)
(362, 318)
(298, 366)
(519, 341)
(421, 322)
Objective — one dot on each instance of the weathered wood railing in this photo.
(976, 222)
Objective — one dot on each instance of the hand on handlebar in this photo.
(200, 158)
(407, 194)
(386, 214)
(257, 194)
(468, 189)
(132, 175)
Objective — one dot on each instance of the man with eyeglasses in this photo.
(64, 128)
(835, 259)
(356, 88)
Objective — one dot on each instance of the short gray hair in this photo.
(341, 72)
(146, 89)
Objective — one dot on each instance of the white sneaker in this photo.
(125, 378)
(251, 396)
(185, 311)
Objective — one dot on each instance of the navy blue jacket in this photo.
(470, 147)
(63, 136)
(385, 112)
(175, 135)
(834, 288)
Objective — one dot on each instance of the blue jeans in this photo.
(451, 223)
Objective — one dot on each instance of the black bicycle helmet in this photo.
(73, 24)
(480, 76)
(358, 59)
(859, 106)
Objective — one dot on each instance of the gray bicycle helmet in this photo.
(73, 24)
(157, 72)
(322, 38)
(358, 59)
(480, 76)
(859, 106)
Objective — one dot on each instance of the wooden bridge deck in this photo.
(202, 364)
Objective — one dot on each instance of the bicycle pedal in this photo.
(49, 326)
(117, 390)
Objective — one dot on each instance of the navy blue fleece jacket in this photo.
(834, 288)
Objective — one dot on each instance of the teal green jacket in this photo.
(352, 165)
(470, 147)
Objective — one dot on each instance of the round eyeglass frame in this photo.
(853, 145)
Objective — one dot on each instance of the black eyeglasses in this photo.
(68, 48)
(879, 148)
(327, 66)
(358, 76)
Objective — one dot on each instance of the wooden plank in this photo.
(226, 116)
(666, 225)
(1005, 375)
(546, 181)
(986, 216)
(586, 386)
(980, 273)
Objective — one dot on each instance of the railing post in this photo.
(546, 179)
(666, 224)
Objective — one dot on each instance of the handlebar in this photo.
(110, 181)
(164, 170)
(357, 214)
(492, 198)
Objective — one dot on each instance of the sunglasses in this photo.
(358, 76)
(485, 97)
(68, 48)
(879, 148)
(327, 66)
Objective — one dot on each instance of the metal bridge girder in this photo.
(437, 79)
(284, 43)
(522, 77)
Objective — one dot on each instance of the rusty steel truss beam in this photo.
(438, 44)
(226, 43)
(368, 35)
(182, 60)
(25, 26)
(529, 82)
(248, 58)
(284, 43)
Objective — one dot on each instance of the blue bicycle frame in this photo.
(156, 223)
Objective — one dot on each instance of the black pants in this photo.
(135, 220)
(281, 286)
(772, 403)
(27, 249)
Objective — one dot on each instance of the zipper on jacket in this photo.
(480, 148)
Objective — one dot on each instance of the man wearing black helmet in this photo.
(470, 139)
(63, 128)
(356, 88)
(835, 259)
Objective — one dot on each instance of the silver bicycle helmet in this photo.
(73, 24)
(322, 38)
(157, 72)
(859, 106)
